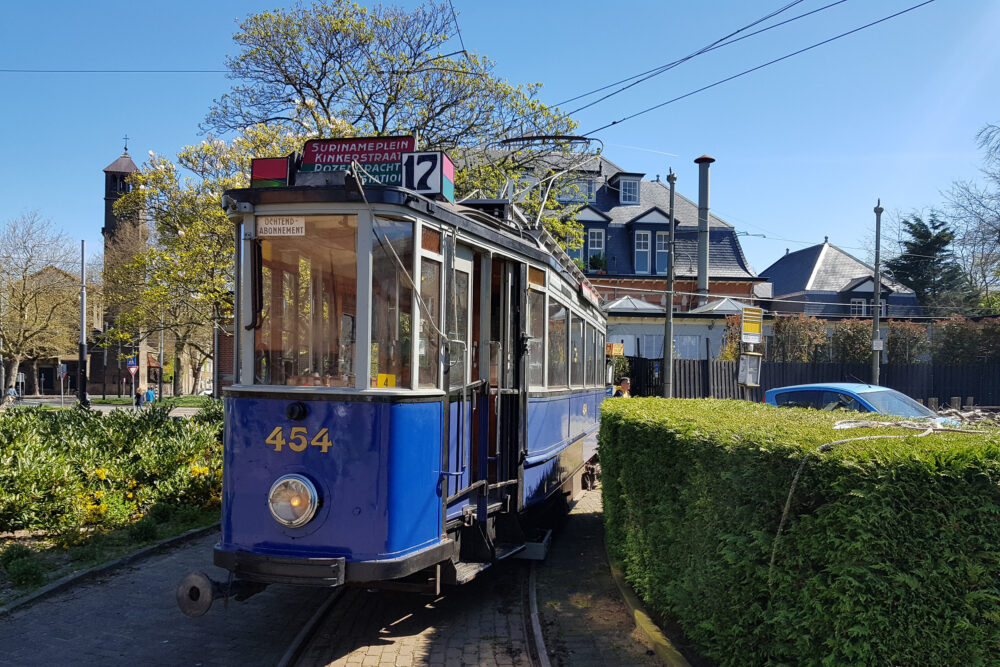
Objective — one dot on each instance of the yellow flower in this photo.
(98, 495)
(102, 473)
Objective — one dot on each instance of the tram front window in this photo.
(392, 303)
(308, 302)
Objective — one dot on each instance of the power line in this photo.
(758, 67)
(718, 44)
(112, 71)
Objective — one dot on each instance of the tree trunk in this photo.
(31, 386)
(178, 374)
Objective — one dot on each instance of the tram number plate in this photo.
(298, 439)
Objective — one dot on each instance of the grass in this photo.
(177, 402)
(30, 562)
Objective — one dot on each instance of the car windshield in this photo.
(891, 402)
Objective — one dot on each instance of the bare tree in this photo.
(974, 210)
(38, 292)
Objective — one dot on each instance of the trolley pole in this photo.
(668, 322)
(877, 302)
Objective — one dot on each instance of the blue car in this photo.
(848, 396)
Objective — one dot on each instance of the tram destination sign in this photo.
(380, 157)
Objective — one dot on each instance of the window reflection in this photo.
(392, 307)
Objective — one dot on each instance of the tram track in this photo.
(494, 618)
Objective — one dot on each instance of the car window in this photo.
(891, 402)
(835, 400)
(803, 398)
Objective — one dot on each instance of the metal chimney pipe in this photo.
(703, 163)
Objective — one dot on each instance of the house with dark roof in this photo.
(825, 281)
(625, 222)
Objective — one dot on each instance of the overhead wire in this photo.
(758, 67)
(717, 44)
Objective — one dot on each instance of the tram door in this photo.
(503, 446)
(462, 309)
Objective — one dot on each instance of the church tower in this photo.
(115, 185)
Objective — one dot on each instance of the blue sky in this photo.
(804, 147)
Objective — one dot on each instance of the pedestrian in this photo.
(623, 387)
(150, 395)
(139, 397)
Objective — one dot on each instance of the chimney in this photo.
(703, 163)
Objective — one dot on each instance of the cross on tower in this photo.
(126, 142)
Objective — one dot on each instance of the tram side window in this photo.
(558, 343)
(308, 294)
(430, 290)
(392, 303)
(589, 346)
(536, 341)
(577, 355)
(600, 361)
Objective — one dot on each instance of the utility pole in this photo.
(668, 323)
(82, 375)
(159, 396)
(877, 303)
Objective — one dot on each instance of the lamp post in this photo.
(82, 376)
(668, 323)
(877, 302)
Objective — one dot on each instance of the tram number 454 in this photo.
(298, 439)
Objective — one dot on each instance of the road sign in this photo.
(752, 325)
(61, 371)
(132, 365)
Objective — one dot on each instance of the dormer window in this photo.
(628, 191)
(581, 190)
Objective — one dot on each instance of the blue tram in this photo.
(413, 378)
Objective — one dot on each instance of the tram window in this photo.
(309, 299)
(392, 303)
(536, 340)
(430, 290)
(558, 341)
(577, 356)
(458, 329)
(589, 346)
(600, 360)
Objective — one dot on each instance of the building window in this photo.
(662, 251)
(579, 191)
(628, 191)
(595, 249)
(642, 252)
(858, 307)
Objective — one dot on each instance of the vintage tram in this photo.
(413, 377)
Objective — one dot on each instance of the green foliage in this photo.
(851, 341)
(71, 472)
(957, 340)
(13, 552)
(26, 572)
(906, 341)
(798, 338)
(890, 552)
(619, 368)
(731, 339)
(143, 530)
(927, 265)
(598, 262)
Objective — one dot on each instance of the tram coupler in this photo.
(196, 592)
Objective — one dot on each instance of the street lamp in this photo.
(877, 302)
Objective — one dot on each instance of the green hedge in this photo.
(63, 473)
(890, 553)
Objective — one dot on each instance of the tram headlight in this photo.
(293, 500)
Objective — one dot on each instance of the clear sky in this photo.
(804, 147)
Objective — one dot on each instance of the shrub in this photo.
(889, 554)
(26, 572)
(160, 512)
(143, 530)
(14, 551)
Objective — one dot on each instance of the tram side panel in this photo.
(377, 479)
(562, 435)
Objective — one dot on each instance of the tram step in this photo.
(466, 571)
(537, 546)
(506, 549)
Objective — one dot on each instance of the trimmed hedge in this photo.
(889, 554)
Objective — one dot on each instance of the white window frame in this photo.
(662, 246)
(595, 245)
(628, 191)
(641, 234)
(859, 307)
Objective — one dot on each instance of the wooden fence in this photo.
(717, 379)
